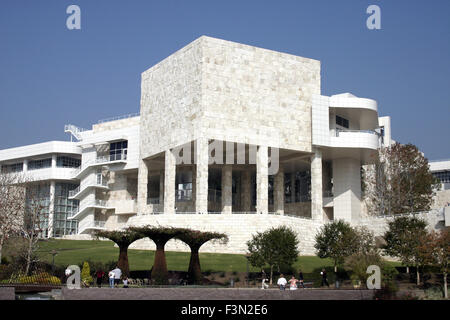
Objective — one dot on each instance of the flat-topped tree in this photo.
(123, 239)
(160, 236)
(195, 239)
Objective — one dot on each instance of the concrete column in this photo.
(161, 187)
(51, 210)
(262, 180)
(316, 186)
(293, 187)
(246, 190)
(169, 182)
(25, 165)
(194, 183)
(142, 187)
(54, 156)
(347, 189)
(201, 181)
(227, 189)
(278, 192)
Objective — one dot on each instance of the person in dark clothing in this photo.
(99, 275)
(300, 278)
(324, 278)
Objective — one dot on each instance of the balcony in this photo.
(81, 190)
(96, 204)
(102, 160)
(93, 225)
(368, 139)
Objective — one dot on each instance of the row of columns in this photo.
(200, 184)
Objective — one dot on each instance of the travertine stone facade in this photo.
(278, 195)
(231, 92)
(239, 228)
(262, 181)
(316, 185)
(201, 173)
(142, 189)
(169, 185)
(227, 175)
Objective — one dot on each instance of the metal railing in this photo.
(102, 159)
(91, 183)
(74, 130)
(95, 203)
(125, 116)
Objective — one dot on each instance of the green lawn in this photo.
(77, 251)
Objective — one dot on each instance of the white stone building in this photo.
(230, 138)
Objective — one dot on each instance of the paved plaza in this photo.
(212, 294)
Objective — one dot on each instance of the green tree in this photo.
(400, 181)
(123, 239)
(435, 250)
(365, 254)
(86, 277)
(403, 239)
(195, 239)
(336, 240)
(160, 236)
(274, 247)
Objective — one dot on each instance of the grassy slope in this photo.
(73, 252)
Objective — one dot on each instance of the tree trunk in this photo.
(1, 249)
(195, 271)
(159, 272)
(29, 253)
(407, 269)
(445, 286)
(335, 268)
(122, 263)
(271, 274)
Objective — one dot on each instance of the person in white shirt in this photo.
(111, 276)
(281, 282)
(117, 275)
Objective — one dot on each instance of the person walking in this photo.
(323, 273)
(111, 277)
(282, 282)
(117, 276)
(300, 278)
(293, 283)
(99, 274)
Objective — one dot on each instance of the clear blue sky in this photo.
(50, 76)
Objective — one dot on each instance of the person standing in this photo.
(111, 277)
(117, 275)
(282, 282)
(99, 274)
(323, 273)
(300, 278)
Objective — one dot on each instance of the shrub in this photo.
(37, 278)
(358, 263)
(434, 293)
(86, 274)
(222, 274)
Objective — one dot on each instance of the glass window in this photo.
(67, 162)
(39, 164)
(15, 167)
(342, 122)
